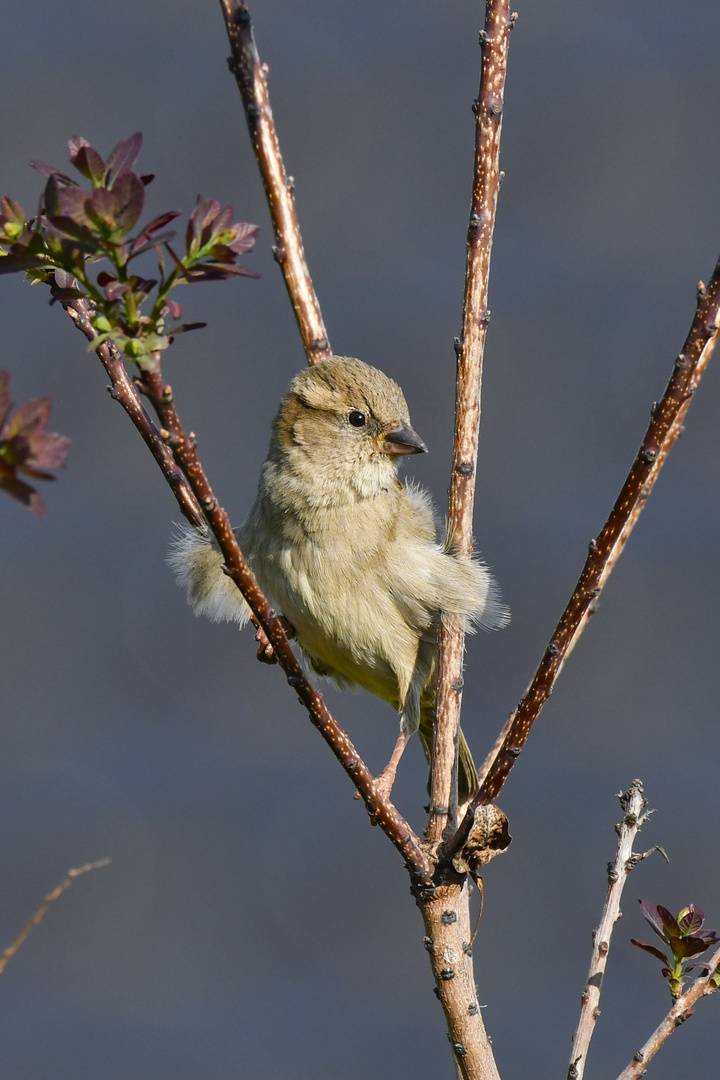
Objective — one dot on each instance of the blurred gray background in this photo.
(251, 924)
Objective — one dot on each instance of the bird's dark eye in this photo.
(357, 418)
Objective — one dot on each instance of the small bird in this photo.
(348, 553)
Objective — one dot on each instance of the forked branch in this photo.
(665, 427)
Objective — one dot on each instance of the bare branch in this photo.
(494, 40)
(251, 77)
(665, 427)
(681, 1011)
(49, 899)
(447, 940)
(633, 803)
(446, 914)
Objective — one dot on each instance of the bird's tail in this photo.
(467, 773)
(198, 566)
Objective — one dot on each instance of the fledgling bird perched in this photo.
(347, 552)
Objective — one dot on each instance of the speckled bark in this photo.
(447, 940)
(252, 80)
(633, 803)
(488, 109)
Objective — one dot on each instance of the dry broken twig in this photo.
(633, 803)
(49, 899)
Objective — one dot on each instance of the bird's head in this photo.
(344, 425)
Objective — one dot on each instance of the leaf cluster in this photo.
(78, 226)
(685, 939)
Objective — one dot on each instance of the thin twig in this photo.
(665, 427)
(681, 1011)
(49, 899)
(251, 77)
(80, 313)
(633, 803)
(494, 41)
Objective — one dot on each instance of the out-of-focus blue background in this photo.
(251, 924)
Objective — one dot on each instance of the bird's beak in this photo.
(402, 440)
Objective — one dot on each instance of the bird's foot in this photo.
(266, 653)
(383, 784)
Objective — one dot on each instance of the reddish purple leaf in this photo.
(245, 237)
(64, 280)
(130, 195)
(223, 220)
(65, 295)
(86, 160)
(186, 327)
(50, 170)
(67, 229)
(49, 451)
(669, 921)
(102, 206)
(75, 145)
(21, 491)
(651, 913)
(123, 157)
(24, 421)
(705, 968)
(158, 223)
(690, 946)
(9, 264)
(199, 227)
(12, 211)
(72, 203)
(116, 290)
(138, 248)
(25, 447)
(691, 919)
(650, 949)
